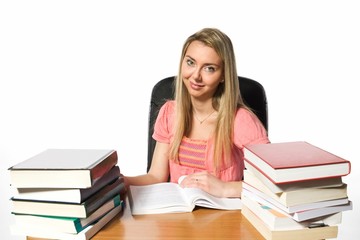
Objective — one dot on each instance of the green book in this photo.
(65, 224)
(86, 234)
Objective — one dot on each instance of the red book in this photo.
(294, 161)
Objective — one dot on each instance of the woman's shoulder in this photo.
(248, 128)
(244, 113)
(168, 106)
(246, 119)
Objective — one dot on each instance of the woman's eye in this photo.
(189, 62)
(209, 69)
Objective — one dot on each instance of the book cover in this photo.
(63, 168)
(323, 232)
(70, 195)
(171, 198)
(85, 234)
(295, 161)
(65, 224)
(61, 209)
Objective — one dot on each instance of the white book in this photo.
(85, 234)
(293, 197)
(326, 232)
(263, 198)
(250, 172)
(70, 195)
(63, 168)
(65, 224)
(171, 198)
(277, 220)
(304, 215)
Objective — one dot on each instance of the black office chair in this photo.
(253, 94)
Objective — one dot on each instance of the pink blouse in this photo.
(197, 155)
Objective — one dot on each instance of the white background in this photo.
(78, 74)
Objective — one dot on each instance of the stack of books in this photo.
(66, 193)
(294, 190)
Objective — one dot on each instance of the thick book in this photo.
(295, 161)
(310, 233)
(63, 168)
(251, 173)
(172, 198)
(292, 196)
(85, 234)
(65, 224)
(70, 195)
(309, 211)
(61, 209)
(261, 196)
(278, 220)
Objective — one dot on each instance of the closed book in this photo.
(251, 173)
(298, 195)
(85, 234)
(310, 233)
(70, 195)
(262, 197)
(319, 212)
(62, 209)
(278, 220)
(65, 224)
(63, 168)
(295, 161)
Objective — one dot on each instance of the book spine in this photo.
(104, 166)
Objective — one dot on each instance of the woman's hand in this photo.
(211, 184)
(205, 181)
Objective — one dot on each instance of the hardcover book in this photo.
(85, 234)
(310, 233)
(70, 195)
(63, 168)
(295, 161)
(251, 173)
(261, 197)
(61, 209)
(292, 196)
(65, 224)
(278, 220)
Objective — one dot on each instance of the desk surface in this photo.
(202, 223)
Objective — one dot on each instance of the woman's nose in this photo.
(197, 74)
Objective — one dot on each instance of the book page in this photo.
(201, 198)
(204, 199)
(158, 198)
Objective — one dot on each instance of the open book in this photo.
(172, 198)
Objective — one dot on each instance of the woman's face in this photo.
(202, 70)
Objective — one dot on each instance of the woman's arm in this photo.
(159, 170)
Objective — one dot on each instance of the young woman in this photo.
(202, 132)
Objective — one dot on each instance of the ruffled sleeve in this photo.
(248, 129)
(163, 128)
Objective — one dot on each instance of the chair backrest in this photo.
(253, 94)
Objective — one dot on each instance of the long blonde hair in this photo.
(226, 100)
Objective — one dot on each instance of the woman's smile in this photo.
(196, 86)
